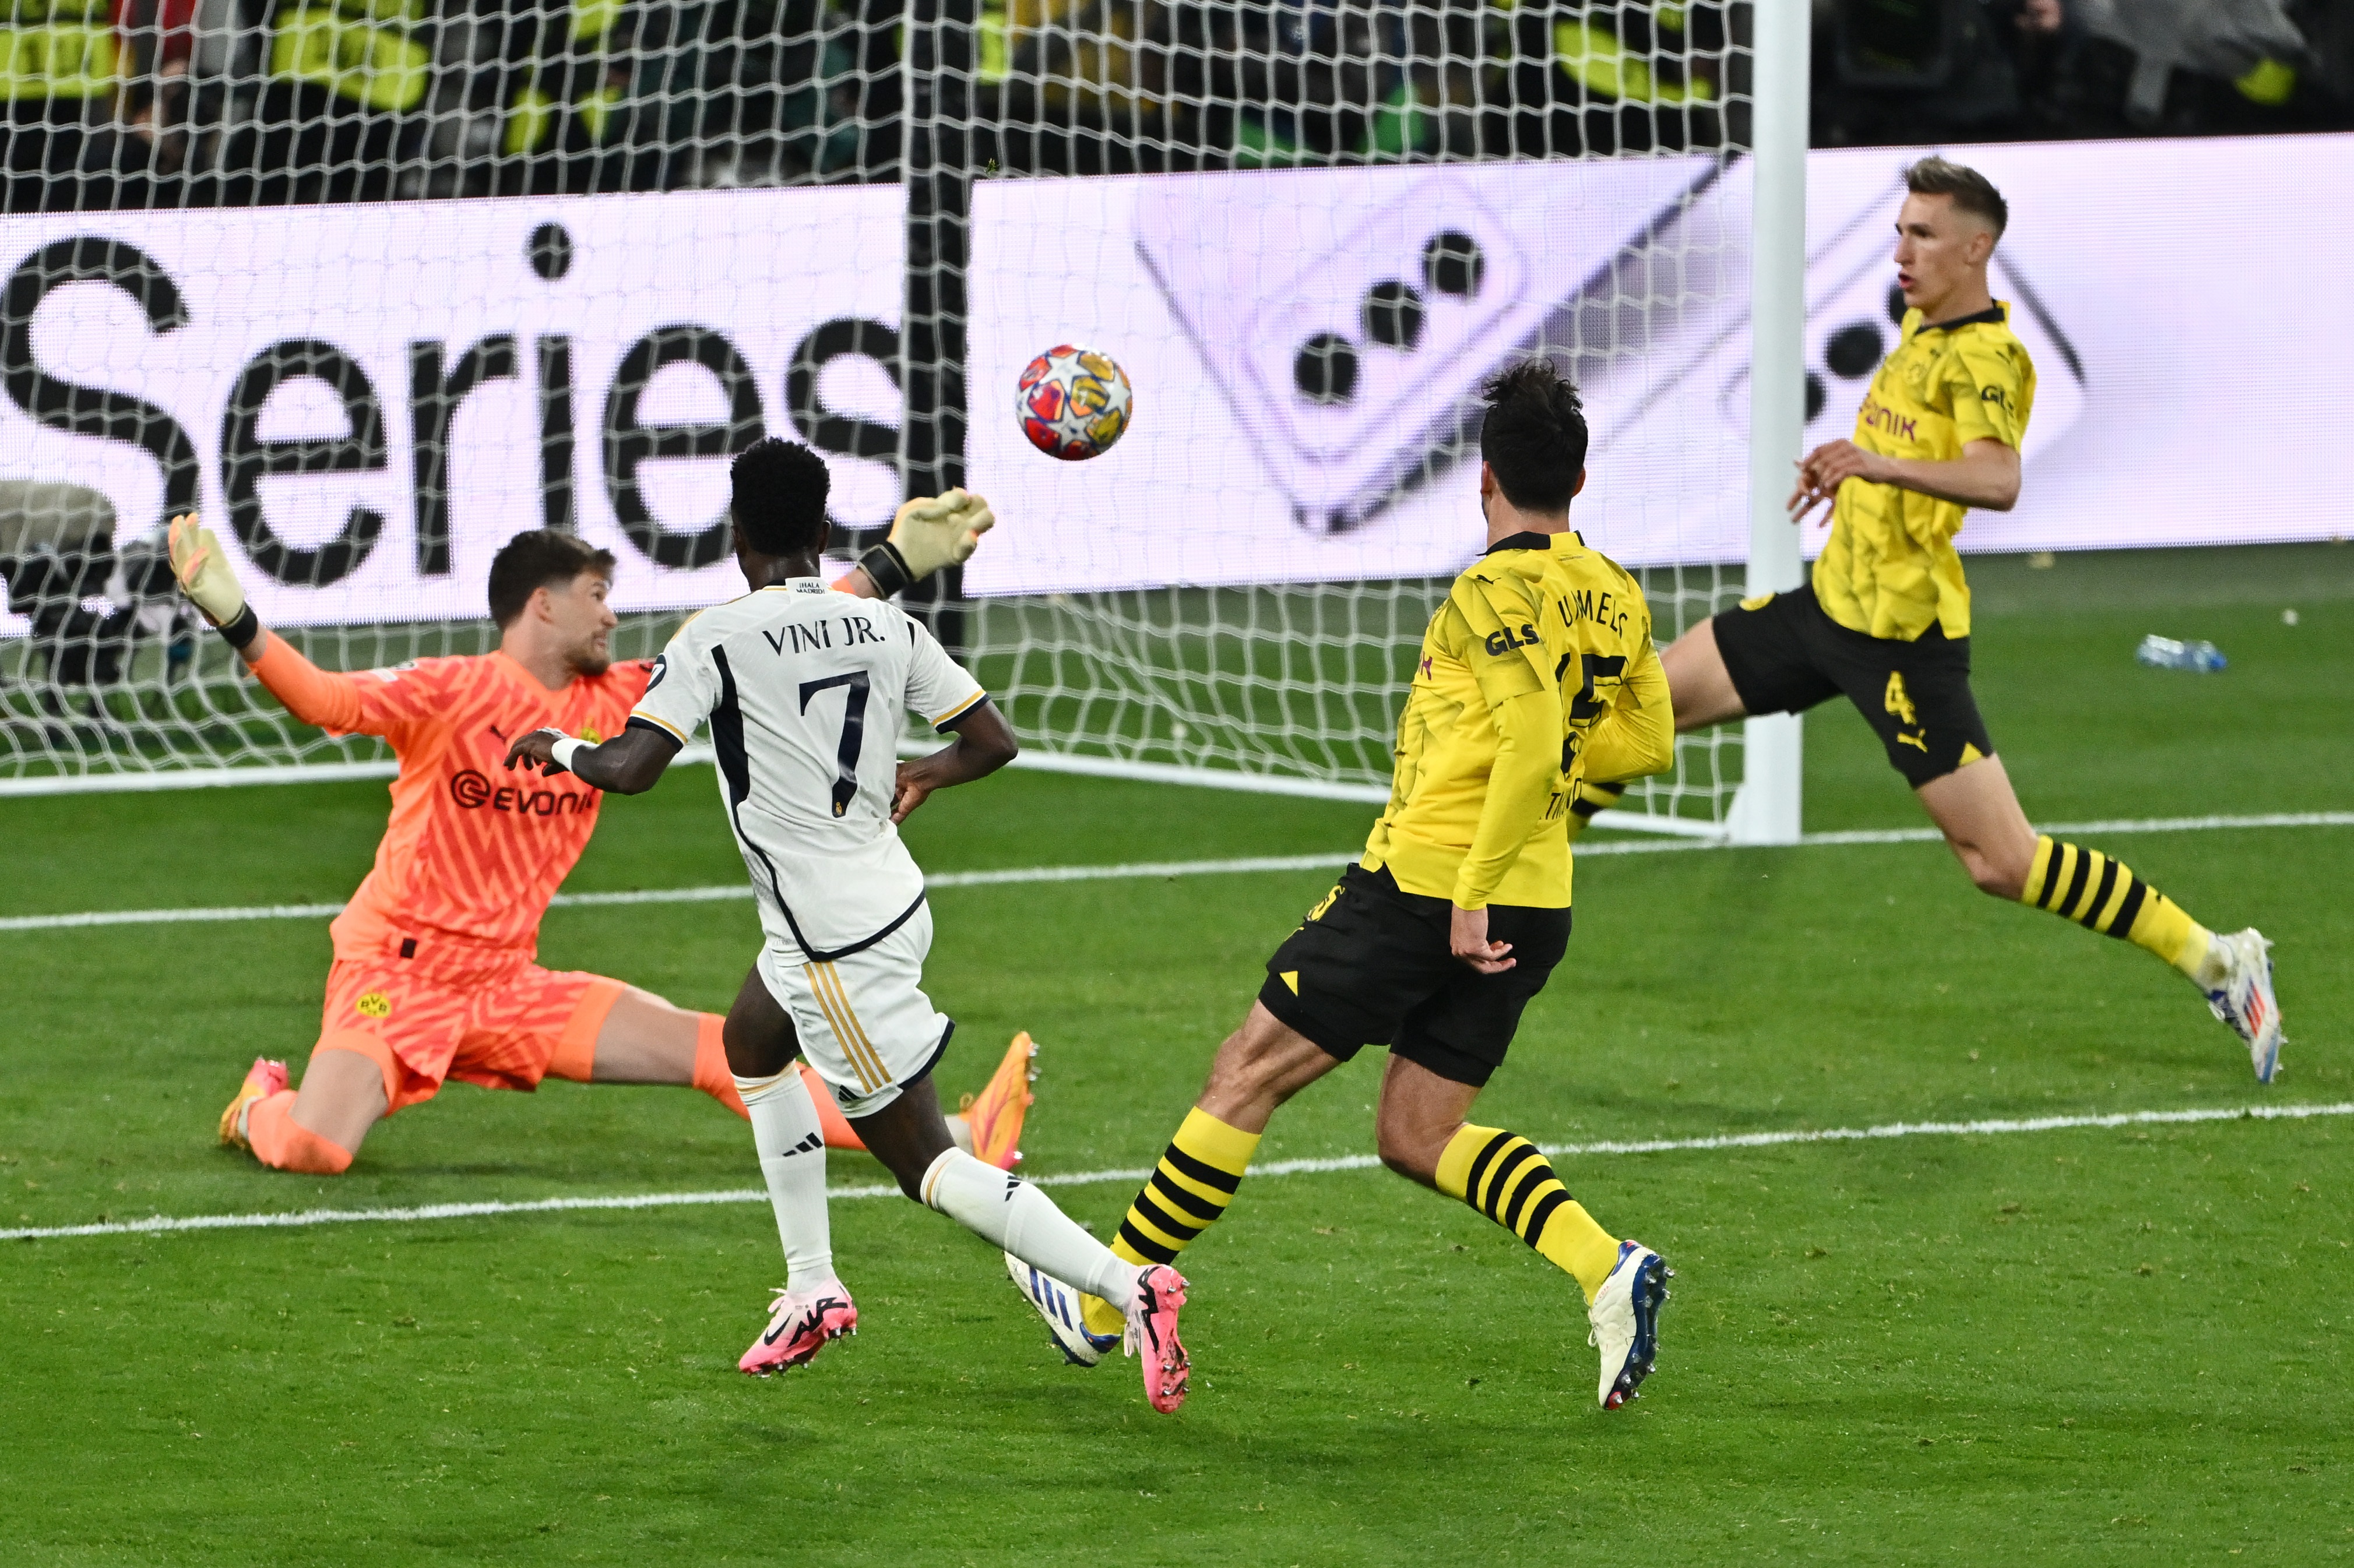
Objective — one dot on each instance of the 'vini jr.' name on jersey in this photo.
(797, 638)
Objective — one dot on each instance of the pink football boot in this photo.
(800, 1324)
(1153, 1336)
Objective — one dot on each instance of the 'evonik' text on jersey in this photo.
(1889, 568)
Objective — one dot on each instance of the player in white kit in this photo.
(806, 690)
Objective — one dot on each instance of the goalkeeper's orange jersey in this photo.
(473, 853)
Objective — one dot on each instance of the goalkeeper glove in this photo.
(203, 570)
(928, 533)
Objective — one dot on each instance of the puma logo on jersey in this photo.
(1505, 641)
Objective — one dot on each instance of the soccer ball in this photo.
(1072, 402)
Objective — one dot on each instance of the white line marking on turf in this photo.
(1145, 870)
(305, 1217)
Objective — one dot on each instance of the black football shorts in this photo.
(1371, 966)
(1787, 654)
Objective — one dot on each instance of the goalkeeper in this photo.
(434, 975)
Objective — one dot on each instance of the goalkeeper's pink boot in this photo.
(264, 1079)
(800, 1323)
(1152, 1337)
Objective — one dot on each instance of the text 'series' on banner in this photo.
(367, 401)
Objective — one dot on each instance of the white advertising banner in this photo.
(367, 401)
(1303, 346)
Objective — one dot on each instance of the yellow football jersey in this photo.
(1891, 570)
(1537, 670)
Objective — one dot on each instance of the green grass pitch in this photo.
(2081, 1346)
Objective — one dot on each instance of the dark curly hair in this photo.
(1534, 436)
(780, 490)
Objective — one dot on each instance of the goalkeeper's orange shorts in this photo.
(499, 1021)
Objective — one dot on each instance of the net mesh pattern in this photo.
(1301, 680)
(140, 131)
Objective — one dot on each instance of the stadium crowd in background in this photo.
(136, 103)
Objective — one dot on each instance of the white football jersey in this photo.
(806, 691)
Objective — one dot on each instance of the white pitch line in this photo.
(1147, 870)
(164, 1223)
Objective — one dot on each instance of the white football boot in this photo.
(1059, 1304)
(2245, 1001)
(1625, 1319)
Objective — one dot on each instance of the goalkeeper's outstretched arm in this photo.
(930, 534)
(311, 695)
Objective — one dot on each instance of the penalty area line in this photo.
(1166, 869)
(1988, 1128)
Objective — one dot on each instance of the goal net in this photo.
(376, 284)
(1309, 231)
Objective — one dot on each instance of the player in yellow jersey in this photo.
(1886, 619)
(1538, 669)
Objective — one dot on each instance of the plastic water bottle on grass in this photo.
(2166, 654)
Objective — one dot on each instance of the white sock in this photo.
(1025, 1222)
(792, 1158)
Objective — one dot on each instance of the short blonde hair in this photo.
(1972, 192)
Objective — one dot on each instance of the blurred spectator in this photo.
(1919, 70)
(2250, 47)
(95, 101)
(127, 103)
(338, 112)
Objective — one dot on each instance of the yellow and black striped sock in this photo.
(1589, 799)
(1502, 1175)
(2104, 895)
(1189, 1188)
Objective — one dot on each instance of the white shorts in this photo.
(864, 1023)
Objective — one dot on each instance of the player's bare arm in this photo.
(1986, 476)
(984, 742)
(629, 764)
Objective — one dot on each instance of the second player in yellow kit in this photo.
(1538, 669)
(1886, 620)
